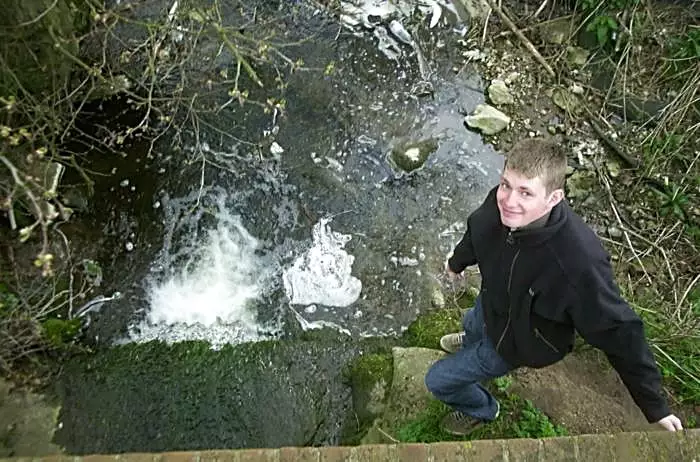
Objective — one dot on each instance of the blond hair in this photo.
(538, 157)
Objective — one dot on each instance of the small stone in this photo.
(576, 56)
(577, 89)
(276, 149)
(499, 93)
(614, 231)
(512, 77)
(556, 32)
(438, 299)
(129, 246)
(613, 168)
(552, 129)
(487, 119)
(124, 183)
(566, 100)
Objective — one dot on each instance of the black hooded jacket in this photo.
(541, 285)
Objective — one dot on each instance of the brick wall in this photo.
(621, 447)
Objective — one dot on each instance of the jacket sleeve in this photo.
(463, 254)
(607, 322)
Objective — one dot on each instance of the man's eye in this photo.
(525, 194)
(504, 186)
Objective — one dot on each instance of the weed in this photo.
(519, 418)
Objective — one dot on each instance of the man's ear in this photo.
(555, 197)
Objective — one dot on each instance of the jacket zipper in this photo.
(509, 239)
(539, 334)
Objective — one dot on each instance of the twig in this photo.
(632, 162)
(38, 18)
(611, 198)
(687, 291)
(527, 43)
(394, 440)
(486, 26)
(540, 9)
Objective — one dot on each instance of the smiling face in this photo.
(522, 200)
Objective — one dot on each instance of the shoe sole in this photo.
(468, 432)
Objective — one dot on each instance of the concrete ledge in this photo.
(621, 447)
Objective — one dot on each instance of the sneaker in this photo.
(452, 342)
(459, 424)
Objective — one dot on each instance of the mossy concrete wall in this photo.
(623, 447)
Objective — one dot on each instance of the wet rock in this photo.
(499, 93)
(487, 119)
(576, 56)
(411, 156)
(555, 32)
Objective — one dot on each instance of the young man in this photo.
(545, 275)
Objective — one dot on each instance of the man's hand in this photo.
(451, 275)
(671, 423)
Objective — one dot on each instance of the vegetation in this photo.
(518, 419)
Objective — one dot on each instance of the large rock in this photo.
(487, 119)
(408, 396)
(583, 394)
(27, 423)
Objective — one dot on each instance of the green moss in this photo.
(370, 377)
(519, 418)
(367, 370)
(428, 328)
(60, 332)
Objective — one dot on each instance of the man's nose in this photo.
(510, 199)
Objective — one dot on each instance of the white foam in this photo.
(208, 297)
(323, 274)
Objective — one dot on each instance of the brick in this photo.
(336, 454)
(258, 455)
(691, 444)
(140, 457)
(180, 456)
(307, 454)
(633, 447)
(652, 446)
(561, 449)
(447, 452)
(218, 456)
(98, 458)
(375, 453)
(525, 450)
(596, 447)
(484, 450)
(412, 452)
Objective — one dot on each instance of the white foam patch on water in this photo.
(323, 274)
(208, 296)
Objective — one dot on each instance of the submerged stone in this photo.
(412, 156)
(487, 119)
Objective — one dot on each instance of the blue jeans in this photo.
(455, 379)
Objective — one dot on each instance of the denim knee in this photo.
(432, 381)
